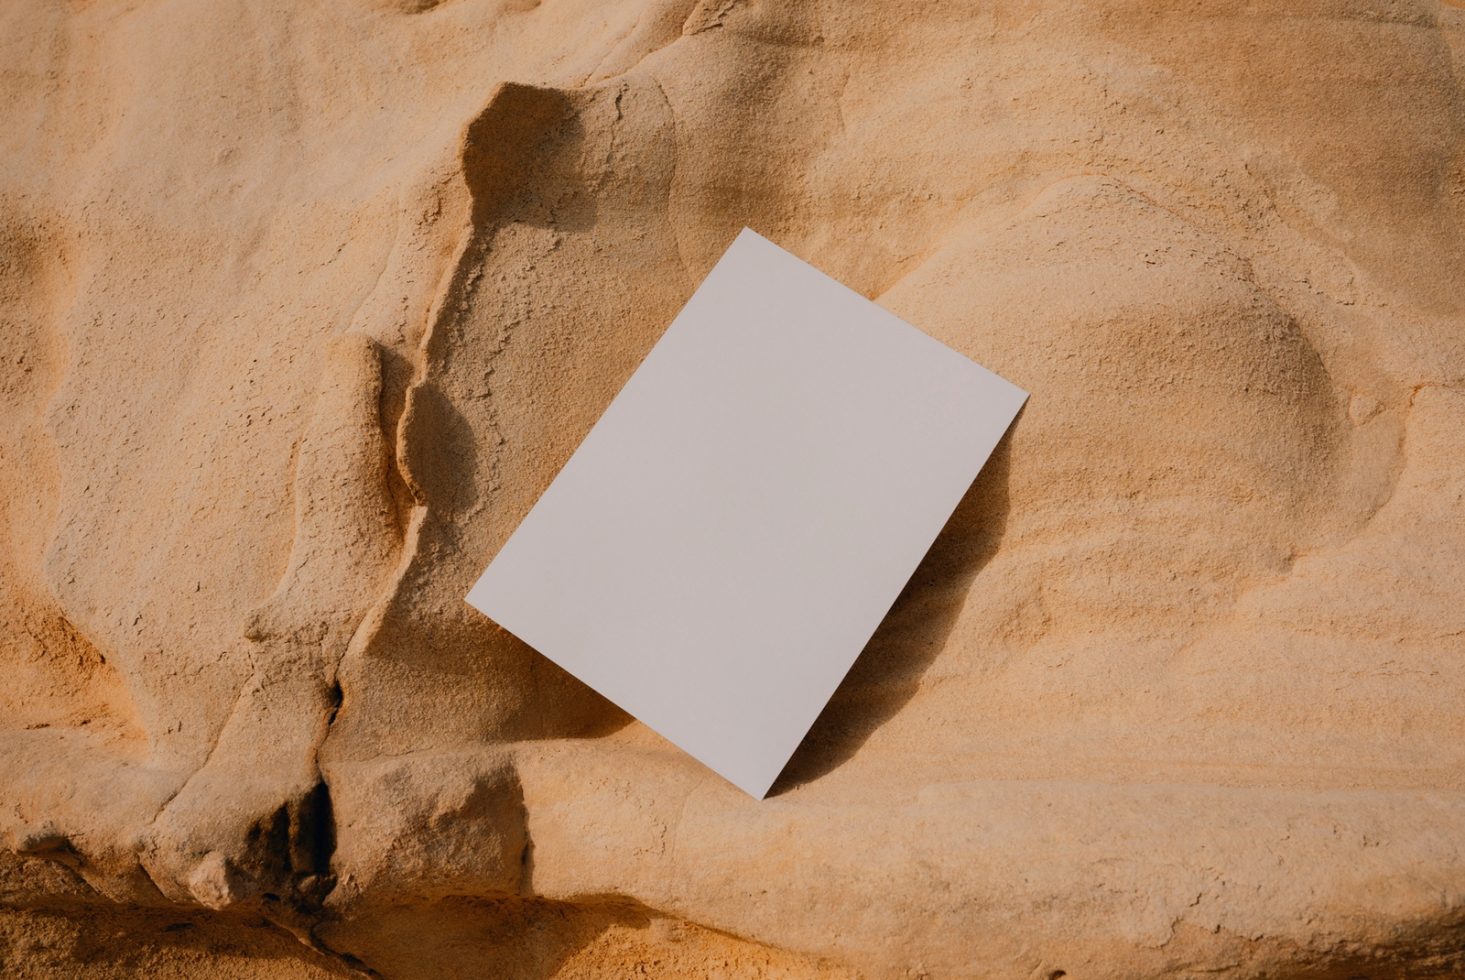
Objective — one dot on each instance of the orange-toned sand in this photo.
(304, 304)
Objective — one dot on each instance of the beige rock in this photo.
(304, 305)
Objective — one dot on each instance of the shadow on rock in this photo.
(888, 671)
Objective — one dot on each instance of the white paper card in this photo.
(722, 545)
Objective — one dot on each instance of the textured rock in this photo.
(304, 305)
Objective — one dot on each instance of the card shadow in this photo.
(888, 671)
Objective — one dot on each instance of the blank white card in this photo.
(722, 545)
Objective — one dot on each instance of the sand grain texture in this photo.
(304, 305)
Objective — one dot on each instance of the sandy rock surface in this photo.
(303, 305)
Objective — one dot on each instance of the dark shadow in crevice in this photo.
(442, 466)
(888, 671)
(522, 162)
